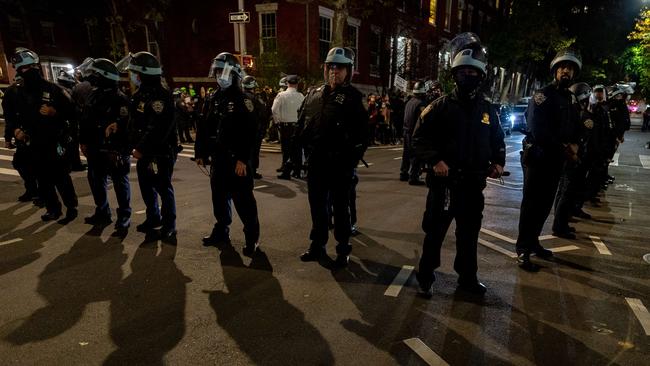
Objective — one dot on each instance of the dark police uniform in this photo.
(152, 132)
(332, 125)
(410, 168)
(227, 134)
(467, 136)
(553, 117)
(107, 156)
(48, 141)
(262, 121)
(23, 160)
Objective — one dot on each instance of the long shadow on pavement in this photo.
(254, 312)
(87, 273)
(148, 308)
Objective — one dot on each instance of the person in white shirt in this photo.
(285, 115)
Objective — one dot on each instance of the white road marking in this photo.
(398, 158)
(363, 165)
(396, 149)
(504, 186)
(629, 214)
(497, 248)
(6, 157)
(141, 212)
(10, 241)
(359, 242)
(9, 172)
(399, 281)
(506, 182)
(187, 146)
(427, 355)
(186, 155)
(641, 313)
(262, 186)
(602, 248)
(547, 237)
(645, 161)
(564, 249)
(615, 162)
(498, 236)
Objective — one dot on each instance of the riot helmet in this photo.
(143, 63)
(582, 91)
(283, 83)
(249, 82)
(340, 57)
(24, 57)
(419, 89)
(65, 79)
(567, 55)
(466, 50)
(99, 71)
(292, 79)
(226, 70)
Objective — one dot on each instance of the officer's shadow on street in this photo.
(21, 253)
(282, 190)
(89, 272)
(254, 312)
(148, 307)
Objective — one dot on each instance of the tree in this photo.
(637, 57)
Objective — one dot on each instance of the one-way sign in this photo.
(240, 17)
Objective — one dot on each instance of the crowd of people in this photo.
(455, 139)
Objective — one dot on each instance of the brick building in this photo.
(406, 40)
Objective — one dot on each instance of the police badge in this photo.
(249, 105)
(158, 106)
(589, 124)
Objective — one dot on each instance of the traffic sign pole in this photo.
(242, 31)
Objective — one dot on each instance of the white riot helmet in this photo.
(568, 55)
(466, 50)
(24, 57)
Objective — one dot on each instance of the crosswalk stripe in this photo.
(615, 162)
(498, 236)
(6, 157)
(566, 248)
(497, 248)
(7, 242)
(427, 355)
(399, 281)
(363, 165)
(641, 313)
(398, 158)
(602, 248)
(9, 172)
(186, 155)
(645, 161)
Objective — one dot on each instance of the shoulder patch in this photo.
(340, 98)
(589, 124)
(124, 111)
(249, 104)
(426, 110)
(539, 98)
(158, 106)
(485, 119)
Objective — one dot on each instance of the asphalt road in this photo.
(77, 295)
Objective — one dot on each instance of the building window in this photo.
(16, 29)
(324, 36)
(375, 52)
(47, 31)
(432, 11)
(268, 33)
(448, 15)
(461, 9)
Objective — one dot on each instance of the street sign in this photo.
(240, 17)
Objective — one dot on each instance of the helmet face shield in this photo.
(123, 64)
(466, 50)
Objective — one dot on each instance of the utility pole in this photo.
(242, 33)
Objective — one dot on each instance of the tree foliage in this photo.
(636, 58)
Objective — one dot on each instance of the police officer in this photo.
(249, 84)
(152, 135)
(23, 160)
(410, 169)
(604, 143)
(332, 129)
(460, 136)
(41, 112)
(68, 83)
(552, 140)
(285, 114)
(434, 90)
(226, 140)
(103, 137)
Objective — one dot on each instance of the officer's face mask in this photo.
(468, 81)
(135, 79)
(224, 78)
(30, 75)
